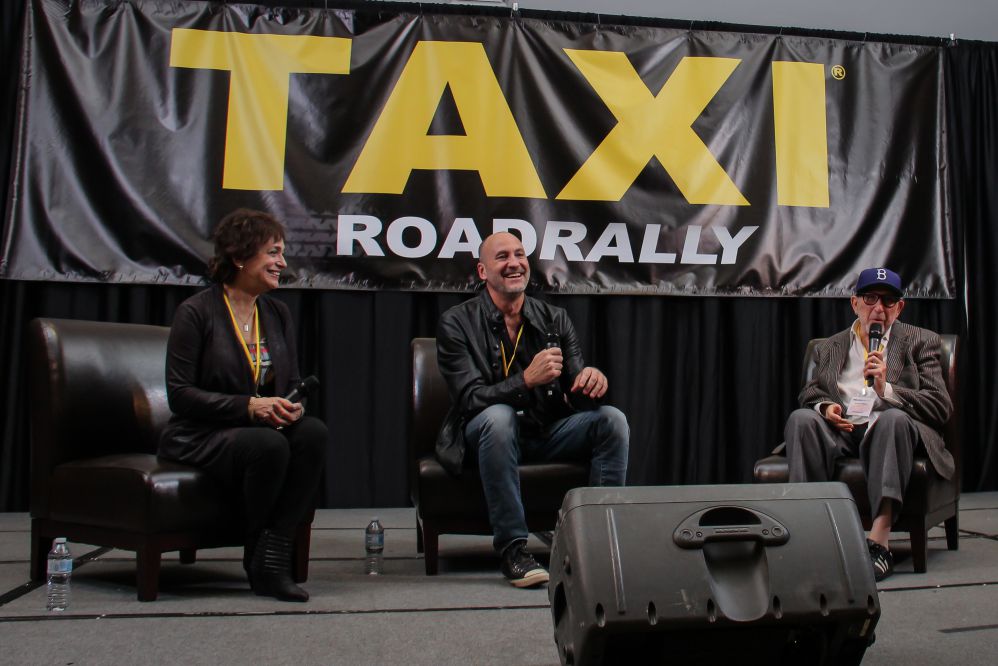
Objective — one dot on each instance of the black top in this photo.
(209, 382)
(470, 360)
(546, 403)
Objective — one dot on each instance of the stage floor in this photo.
(467, 614)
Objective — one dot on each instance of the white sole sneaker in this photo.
(532, 579)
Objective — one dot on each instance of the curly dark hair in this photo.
(238, 237)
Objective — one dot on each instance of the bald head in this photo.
(502, 263)
(498, 238)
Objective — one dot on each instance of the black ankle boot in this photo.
(248, 549)
(270, 568)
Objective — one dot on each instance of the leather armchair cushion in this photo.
(772, 469)
(541, 485)
(138, 492)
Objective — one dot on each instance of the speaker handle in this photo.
(729, 523)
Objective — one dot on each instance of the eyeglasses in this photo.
(888, 301)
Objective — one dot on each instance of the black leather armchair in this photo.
(98, 404)
(456, 505)
(929, 499)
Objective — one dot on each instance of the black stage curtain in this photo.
(707, 383)
(972, 71)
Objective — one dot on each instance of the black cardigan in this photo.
(208, 380)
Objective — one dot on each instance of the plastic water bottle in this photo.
(60, 570)
(374, 546)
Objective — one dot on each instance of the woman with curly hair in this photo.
(230, 358)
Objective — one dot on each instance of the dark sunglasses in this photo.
(888, 301)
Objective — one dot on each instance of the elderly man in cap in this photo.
(874, 401)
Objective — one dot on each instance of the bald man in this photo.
(516, 398)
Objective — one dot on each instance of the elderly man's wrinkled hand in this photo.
(833, 414)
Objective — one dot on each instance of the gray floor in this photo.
(467, 614)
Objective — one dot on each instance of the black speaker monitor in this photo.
(741, 574)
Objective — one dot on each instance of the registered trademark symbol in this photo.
(838, 72)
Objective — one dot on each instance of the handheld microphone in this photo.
(876, 335)
(553, 341)
(303, 388)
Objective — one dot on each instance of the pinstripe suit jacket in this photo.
(913, 371)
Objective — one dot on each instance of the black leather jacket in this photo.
(468, 337)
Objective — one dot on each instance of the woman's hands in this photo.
(276, 412)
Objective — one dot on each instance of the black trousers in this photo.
(276, 472)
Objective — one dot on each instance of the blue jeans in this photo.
(493, 436)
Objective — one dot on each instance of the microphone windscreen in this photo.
(306, 386)
(876, 335)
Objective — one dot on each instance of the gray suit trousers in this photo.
(886, 450)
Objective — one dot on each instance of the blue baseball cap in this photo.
(879, 277)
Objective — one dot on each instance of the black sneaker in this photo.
(883, 561)
(520, 568)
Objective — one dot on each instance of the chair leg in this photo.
(188, 555)
(953, 532)
(419, 536)
(430, 543)
(302, 548)
(147, 561)
(919, 546)
(40, 547)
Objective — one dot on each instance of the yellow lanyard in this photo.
(502, 348)
(255, 367)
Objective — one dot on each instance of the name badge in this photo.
(861, 405)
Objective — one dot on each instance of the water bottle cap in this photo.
(60, 540)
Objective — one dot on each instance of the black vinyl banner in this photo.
(629, 159)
